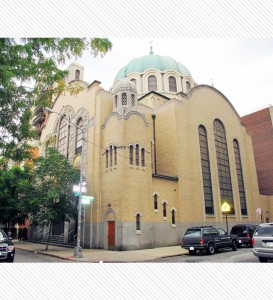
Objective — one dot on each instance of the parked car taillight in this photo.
(202, 242)
(253, 242)
(248, 235)
(182, 243)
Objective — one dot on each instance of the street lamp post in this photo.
(77, 249)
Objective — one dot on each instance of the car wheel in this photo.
(239, 245)
(263, 259)
(192, 252)
(234, 245)
(10, 260)
(211, 249)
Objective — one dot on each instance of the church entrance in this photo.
(111, 235)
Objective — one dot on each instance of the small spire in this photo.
(211, 82)
(151, 48)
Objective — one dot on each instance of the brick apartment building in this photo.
(260, 126)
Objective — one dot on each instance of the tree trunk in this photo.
(49, 233)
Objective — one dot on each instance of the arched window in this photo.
(152, 83)
(137, 155)
(111, 156)
(173, 217)
(165, 210)
(137, 221)
(79, 136)
(240, 177)
(124, 99)
(172, 84)
(188, 86)
(223, 164)
(133, 80)
(62, 136)
(116, 101)
(106, 156)
(143, 157)
(205, 162)
(133, 100)
(155, 201)
(131, 155)
(115, 155)
(77, 74)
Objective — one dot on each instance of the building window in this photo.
(172, 84)
(116, 101)
(156, 201)
(152, 83)
(133, 100)
(223, 164)
(143, 157)
(131, 155)
(115, 155)
(165, 210)
(107, 155)
(79, 136)
(111, 156)
(137, 155)
(62, 136)
(77, 75)
(133, 80)
(240, 177)
(138, 222)
(124, 99)
(188, 86)
(173, 217)
(205, 162)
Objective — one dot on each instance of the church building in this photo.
(162, 153)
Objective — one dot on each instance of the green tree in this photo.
(14, 184)
(50, 197)
(30, 76)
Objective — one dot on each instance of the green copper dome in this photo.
(152, 61)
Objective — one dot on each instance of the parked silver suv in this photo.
(262, 242)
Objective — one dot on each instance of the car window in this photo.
(264, 231)
(193, 233)
(251, 229)
(238, 230)
(221, 231)
(206, 232)
(2, 236)
(214, 231)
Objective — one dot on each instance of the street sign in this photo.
(87, 199)
(225, 207)
(76, 188)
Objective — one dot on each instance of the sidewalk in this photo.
(97, 255)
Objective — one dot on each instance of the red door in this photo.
(111, 234)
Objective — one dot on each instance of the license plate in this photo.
(269, 244)
(191, 248)
(240, 241)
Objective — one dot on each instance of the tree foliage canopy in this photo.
(30, 76)
(50, 196)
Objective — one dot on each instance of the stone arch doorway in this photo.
(110, 228)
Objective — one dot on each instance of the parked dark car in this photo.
(7, 249)
(244, 233)
(262, 242)
(208, 238)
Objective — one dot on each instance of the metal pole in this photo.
(78, 252)
(227, 223)
(91, 227)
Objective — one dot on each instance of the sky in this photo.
(241, 69)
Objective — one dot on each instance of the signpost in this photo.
(225, 209)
